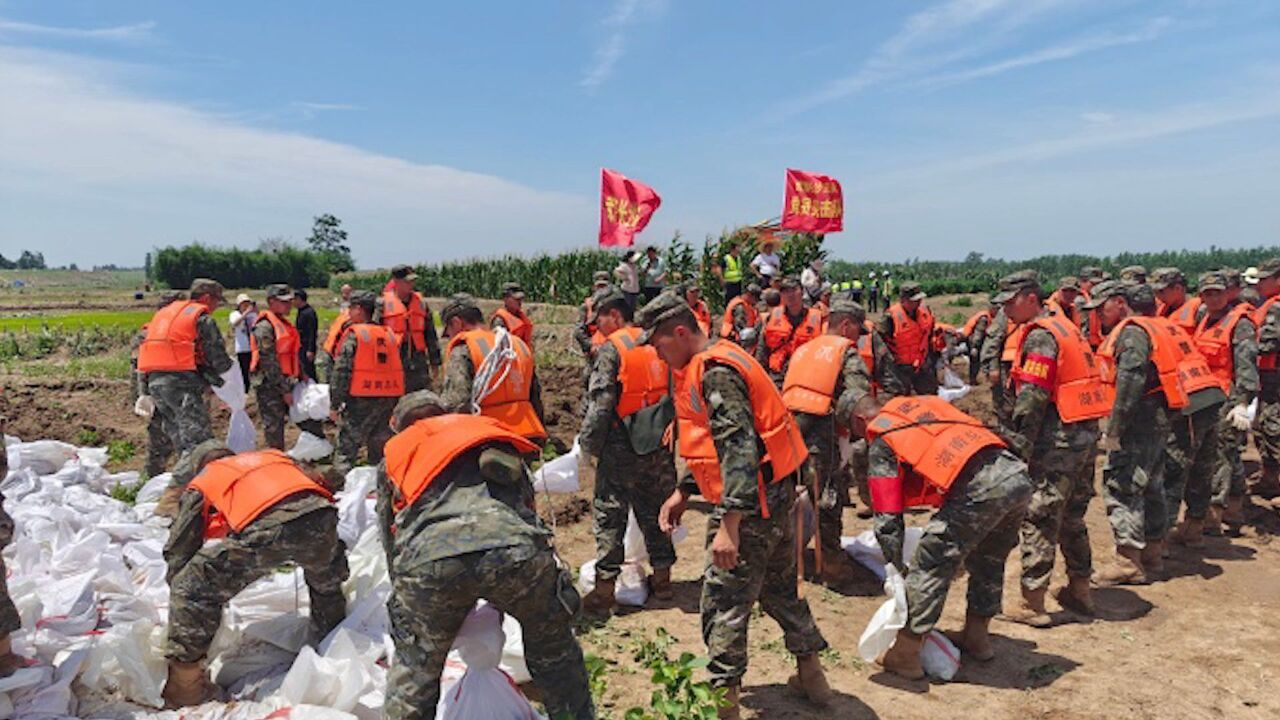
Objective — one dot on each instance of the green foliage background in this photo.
(176, 267)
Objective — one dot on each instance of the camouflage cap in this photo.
(1213, 280)
(668, 305)
(846, 306)
(365, 299)
(1166, 277)
(205, 286)
(753, 289)
(1233, 277)
(455, 305)
(1091, 272)
(600, 277)
(1134, 273)
(1014, 283)
(279, 291)
(689, 286)
(790, 282)
(1104, 291)
(193, 461)
(910, 290)
(1068, 282)
(1268, 267)
(415, 406)
(403, 272)
(604, 297)
(772, 297)
(512, 289)
(1140, 295)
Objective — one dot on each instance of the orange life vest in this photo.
(1073, 378)
(331, 340)
(1214, 343)
(376, 371)
(509, 401)
(940, 332)
(1012, 339)
(727, 330)
(1058, 307)
(518, 325)
(1185, 315)
(1266, 361)
(288, 342)
(170, 343)
(642, 374)
(911, 336)
(1096, 337)
(934, 440)
(782, 338)
(971, 324)
(410, 319)
(785, 449)
(237, 490)
(1181, 368)
(813, 373)
(597, 338)
(417, 455)
(702, 314)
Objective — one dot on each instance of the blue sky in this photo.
(445, 130)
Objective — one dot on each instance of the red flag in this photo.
(625, 208)
(813, 203)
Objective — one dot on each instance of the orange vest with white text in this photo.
(781, 338)
(509, 400)
(911, 336)
(1181, 368)
(1266, 361)
(785, 449)
(813, 373)
(1185, 316)
(170, 343)
(1214, 343)
(642, 375)
(417, 455)
(1072, 379)
(237, 490)
(518, 325)
(376, 371)
(410, 319)
(335, 332)
(726, 325)
(288, 342)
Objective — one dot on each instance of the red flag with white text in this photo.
(812, 203)
(625, 208)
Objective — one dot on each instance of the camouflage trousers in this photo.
(219, 571)
(832, 480)
(10, 621)
(1063, 487)
(1133, 482)
(363, 423)
(1002, 397)
(180, 405)
(417, 372)
(430, 600)
(1228, 472)
(274, 413)
(922, 380)
(977, 526)
(1267, 428)
(766, 572)
(159, 445)
(1190, 459)
(628, 482)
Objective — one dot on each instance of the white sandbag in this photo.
(631, 588)
(483, 692)
(940, 658)
(43, 457)
(635, 549)
(241, 436)
(153, 488)
(561, 474)
(1251, 412)
(513, 662)
(356, 504)
(128, 659)
(310, 447)
(866, 549)
(334, 683)
(310, 402)
(953, 387)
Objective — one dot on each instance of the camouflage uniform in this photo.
(1060, 459)
(888, 385)
(992, 352)
(1228, 476)
(625, 480)
(10, 621)
(417, 363)
(1268, 424)
(474, 534)
(362, 421)
(459, 374)
(159, 434)
(763, 351)
(975, 342)
(766, 570)
(918, 381)
(1190, 458)
(739, 317)
(977, 525)
(301, 529)
(271, 385)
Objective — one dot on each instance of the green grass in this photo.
(112, 366)
(127, 494)
(106, 320)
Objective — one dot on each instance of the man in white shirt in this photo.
(811, 280)
(628, 275)
(242, 320)
(767, 264)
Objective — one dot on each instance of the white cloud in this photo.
(106, 172)
(1097, 118)
(611, 49)
(121, 33)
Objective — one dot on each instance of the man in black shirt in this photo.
(308, 328)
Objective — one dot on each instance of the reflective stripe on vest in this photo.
(782, 338)
(1214, 341)
(1185, 316)
(642, 376)
(237, 490)
(1078, 391)
(732, 269)
(1181, 368)
(288, 342)
(911, 336)
(410, 319)
(509, 400)
(417, 455)
(785, 449)
(727, 330)
(813, 374)
(376, 371)
(170, 342)
(518, 325)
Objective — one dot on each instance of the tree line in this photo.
(28, 260)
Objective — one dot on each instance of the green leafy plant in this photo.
(963, 301)
(88, 437)
(127, 494)
(120, 451)
(677, 696)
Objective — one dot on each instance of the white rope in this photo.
(493, 370)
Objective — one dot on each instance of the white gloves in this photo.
(144, 407)
(747, 334)
(1239, 417)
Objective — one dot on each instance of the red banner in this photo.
(625, 208)
(813, 203)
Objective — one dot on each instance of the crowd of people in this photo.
(791, 392)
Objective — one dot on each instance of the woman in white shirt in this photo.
(628, 275)
(242, 320)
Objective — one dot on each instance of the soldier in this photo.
(1063, 300)
(1267, 319)
(908, 326)
(627, 413)
(997, 362)
(585, 333)
(409, 317)
(1228, 340)
(981, 491)
(1134, 275)
(276, 367)
(367, 381)
(1058, 400)
(693, 296)
(741, 322)
(512, 316)
(455, 509)
(1172, 302)
(513, 398)
(975, 334)
(180, 358)
(240, 519)
(787, 327)
(329, 348)
(827, 377)
(10, 621)
(159, 434)
(742, 449)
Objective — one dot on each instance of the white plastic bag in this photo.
(633, 542)
(483, 692)
(940, 658)
(310, 447)
(631, 588)
(953, 387)
(559, 475)
(310, 402)
(866, 549)
(241, 437)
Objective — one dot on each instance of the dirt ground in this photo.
(1202, 643)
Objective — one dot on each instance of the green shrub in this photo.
(963, 301)
(120, 451)
(237, 268)
(88, 437)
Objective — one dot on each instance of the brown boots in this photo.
(1234, 515)
(600, 600)
(1268, 486)
(1077, 596)
(837, 568)
(974, 640)
(660, 583)
(1030, 610)
(188, 685)
(903, 657)
(1126, 569)
(1153, 559)
(9, 662)
(810, 681)
(1190, 533)
(1213, 523)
